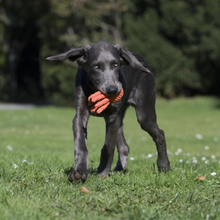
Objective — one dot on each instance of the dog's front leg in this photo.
(107, 152)
(80, 121)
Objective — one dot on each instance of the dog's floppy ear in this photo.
(127, 58)
(78, 54)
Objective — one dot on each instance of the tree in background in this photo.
(2, 64)
(21, 46)
(179, 39)
(72, 24)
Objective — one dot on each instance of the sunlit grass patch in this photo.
(37, 154)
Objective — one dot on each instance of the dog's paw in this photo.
(77, 176)
(163, 167)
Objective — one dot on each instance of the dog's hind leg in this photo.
(146, 116)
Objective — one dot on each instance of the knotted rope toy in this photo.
(102, 101)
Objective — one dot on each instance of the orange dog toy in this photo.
(102, 101)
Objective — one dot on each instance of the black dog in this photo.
(107, 68)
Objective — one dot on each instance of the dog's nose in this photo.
(112, 90)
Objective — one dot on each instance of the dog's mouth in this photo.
(112, 96)
(100, 102)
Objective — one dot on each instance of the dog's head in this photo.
(102, 62)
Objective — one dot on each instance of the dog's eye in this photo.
(96, 66)
(115, 64)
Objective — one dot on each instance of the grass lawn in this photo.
(37, 154)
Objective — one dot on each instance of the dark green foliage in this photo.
(68, 25)
(58, 81)
(179, 39)
(2, 63)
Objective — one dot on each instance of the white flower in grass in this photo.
(31, 163)
(9, 147)
(199, 136)
(149, 155)
(203, 158)
(24, 161)
(179, 150)
(15, 165)
(213, 174)
(195, 161)
(215, 139)
(180, 160)
(177, 153)
(213, 156)
(206, 162)
(206, 147)
(131, 158)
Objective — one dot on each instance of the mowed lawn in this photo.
(37, 154)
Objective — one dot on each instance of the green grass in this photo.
(38, 188)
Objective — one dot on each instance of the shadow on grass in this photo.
(69, 170)
(92, 171)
